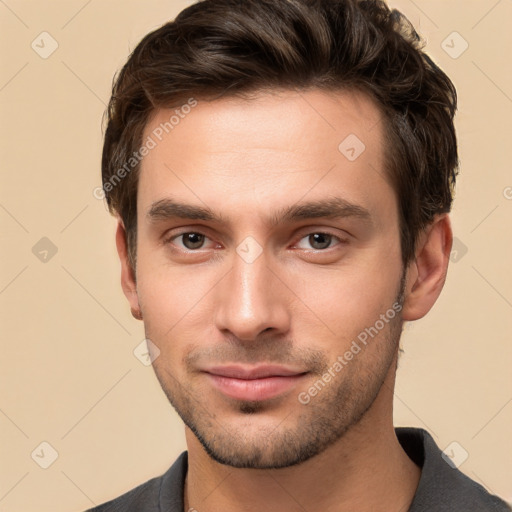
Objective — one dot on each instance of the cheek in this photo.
(173, 300)
(342, 301)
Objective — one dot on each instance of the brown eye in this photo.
(320, 240)
(192, 240)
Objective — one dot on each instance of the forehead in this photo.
(271, 147)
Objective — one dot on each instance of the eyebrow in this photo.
(332, 208)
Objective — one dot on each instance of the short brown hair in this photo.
(233, 47)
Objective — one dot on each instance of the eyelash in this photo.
(341, 241)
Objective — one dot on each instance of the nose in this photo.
(251, 299)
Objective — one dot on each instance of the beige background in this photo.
(68, 373)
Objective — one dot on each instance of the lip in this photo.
(253, 383)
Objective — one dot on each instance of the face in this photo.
(268, 251)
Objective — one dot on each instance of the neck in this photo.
(365, 470)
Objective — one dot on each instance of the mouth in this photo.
(253, 383)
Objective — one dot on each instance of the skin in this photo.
(300, 303)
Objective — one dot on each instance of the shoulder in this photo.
(442, 486)
(164, 492)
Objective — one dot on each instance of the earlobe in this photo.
(426, 274)
(128, 282)
(136, 313)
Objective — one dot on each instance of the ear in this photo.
(426, 274)
(127, 272)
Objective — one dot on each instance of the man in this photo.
(282, 172)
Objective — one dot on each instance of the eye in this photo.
(318, 241)
(189, 241)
